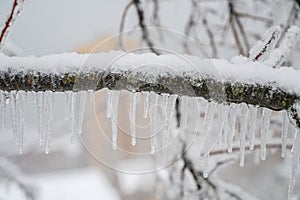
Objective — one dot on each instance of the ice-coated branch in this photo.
(15, 11)
(213, 79)
(285, 49)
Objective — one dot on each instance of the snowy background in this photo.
(70, 172)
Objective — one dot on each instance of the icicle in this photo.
(72, 113)
(2, 108)
(231, 124)
(285, 127)
(68, 105)
(266, 116)
(40, 106)
(183, 112)
(214, 128)
(48, 117)
(165, 103)
(252, 128)
(108, 103)
(170, 107)
(13, 110)
(34, 97)
(206, 166)
(20, 117)
(132, 113)
(244, 122)
(225, 125)
(153, 123)
(146, 104)
(91, 95)
(295, 163)
(114, 118)
(82, 104)
(209, 114)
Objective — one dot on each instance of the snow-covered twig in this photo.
(262, 49)
(285, 49)
(15, 11)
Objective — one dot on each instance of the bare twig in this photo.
(122, 24)
(256, 146)
(8, 23)
(143, 27)
(234, 29)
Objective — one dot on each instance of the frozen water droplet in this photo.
(233, 108)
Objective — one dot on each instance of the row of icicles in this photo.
(223, 127)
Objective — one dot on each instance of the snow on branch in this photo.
(213, 79)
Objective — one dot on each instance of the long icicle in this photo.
(266, 117)
(284, 133)
(20, 113)
(13, 111)
(146, 104)
(252, 128)
(40, 105)
(108, 103)
(244, 111)
(233, 108)
(295, 163)
(132, 113)
(114, 118)
(49, 104)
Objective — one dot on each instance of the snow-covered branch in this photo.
(213, 79)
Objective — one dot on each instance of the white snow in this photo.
(245, 72)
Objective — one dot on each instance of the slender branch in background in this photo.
(235, 20)
(143, 27)
(122, 24)
(210, 36)
(234, 29)
(155, 16)
(256, 146)
(15, 11)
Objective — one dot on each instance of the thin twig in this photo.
(122, 24)
(8, 23)
(256, 146)
(233, 27)
(143, 27)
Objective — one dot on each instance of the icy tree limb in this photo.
(270, 96)
(249, 82)
(15, 11)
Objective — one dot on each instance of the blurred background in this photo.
(89, 168)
